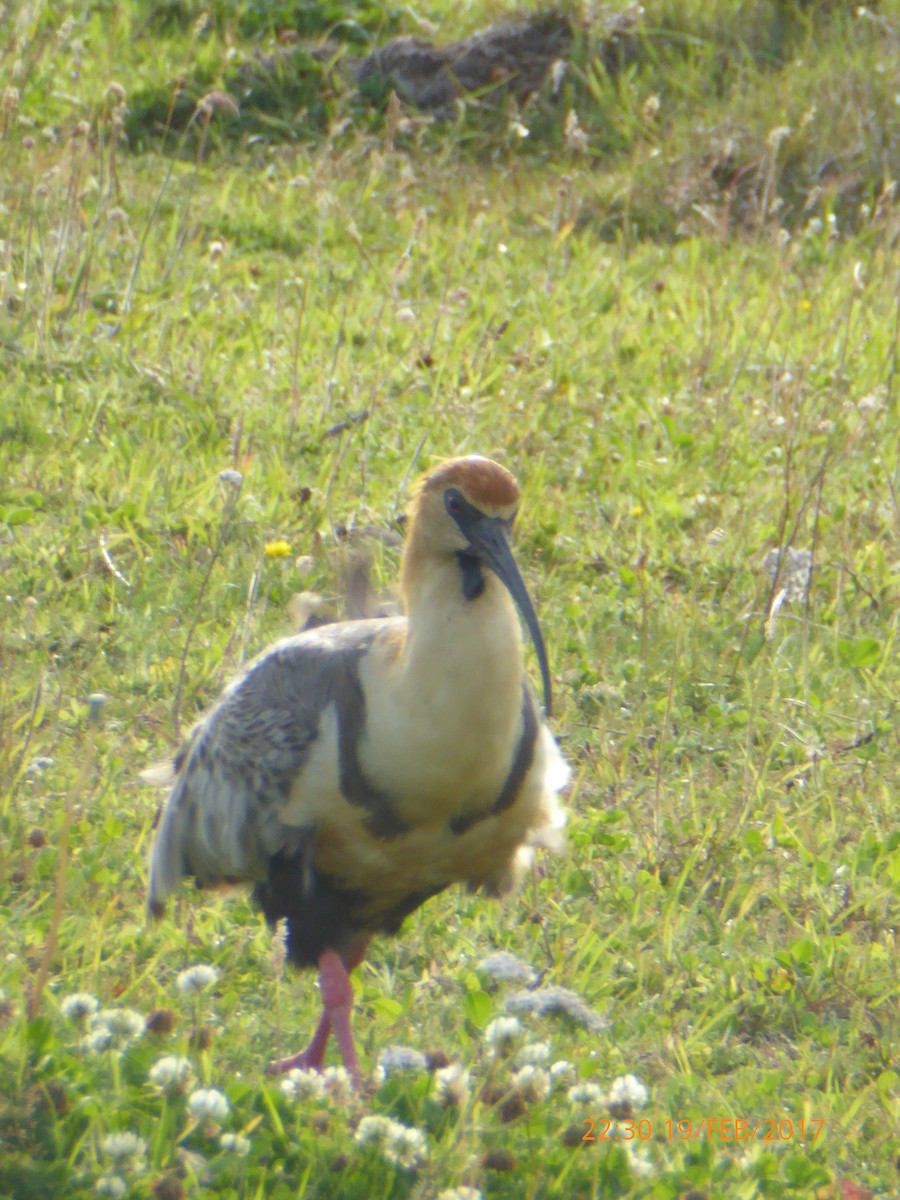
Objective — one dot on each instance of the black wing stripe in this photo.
(521, 765)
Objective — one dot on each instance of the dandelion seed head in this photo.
(208, 1104)
(78, 1006)
(196, 979)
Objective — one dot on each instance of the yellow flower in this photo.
(277, 549)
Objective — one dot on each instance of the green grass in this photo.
(687, 357)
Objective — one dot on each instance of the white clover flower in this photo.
(584, 1093)
(542, 1001)
(79, 1006)
(451, 1086)
(338, 1084)
(401, 1145)
(111, 1185)
(504, 967)
(638, 1160)
(402, 1058)
(502, 1033)
(405, 1147)
(123, 1024)
(460, 1193)
(124, 1147)
(236, 1142)
(533, 1054)
(562, 1072)
(303, 1084)
(533, 1082)
(373, 1130)
(97, 1041)
(628, 1089)
(171, 1074)
(195, 979)
(208, 1104)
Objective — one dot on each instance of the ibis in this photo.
(355, 770)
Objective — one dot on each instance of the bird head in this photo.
(464, 511)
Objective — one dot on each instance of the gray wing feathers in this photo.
(220, 822)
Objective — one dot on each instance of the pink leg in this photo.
(334, 983)
(337, 996)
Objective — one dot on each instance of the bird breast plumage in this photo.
(439, 778)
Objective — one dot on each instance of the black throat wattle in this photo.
(472, 577)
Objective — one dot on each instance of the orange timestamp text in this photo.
(721, 1129)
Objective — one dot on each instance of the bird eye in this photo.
(453, 502)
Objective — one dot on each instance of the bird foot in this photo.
(310, 1059)
(304, 1061)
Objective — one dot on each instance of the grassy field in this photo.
(667, 299)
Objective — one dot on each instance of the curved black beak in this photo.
(488, 539)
